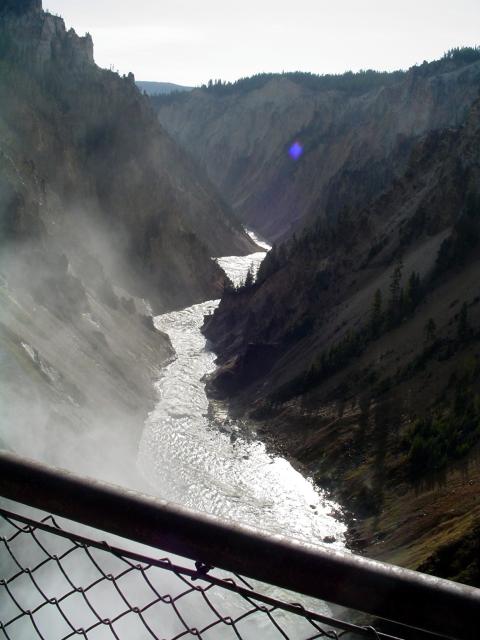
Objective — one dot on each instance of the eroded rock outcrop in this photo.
(102, 218)
(19, 7)
(356, 132)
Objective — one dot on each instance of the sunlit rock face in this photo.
(36, 38)
(102, 218)
(286, 151)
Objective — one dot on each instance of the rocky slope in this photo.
(356, 352)
(156, 88)
(99, 210)
(356, 132)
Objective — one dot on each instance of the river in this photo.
(212, 463)
(209, 462)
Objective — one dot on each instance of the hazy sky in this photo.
(190, 41)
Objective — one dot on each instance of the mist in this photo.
(79, 356)
(84, 364)
(79, 352)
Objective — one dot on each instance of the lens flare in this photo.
(295, 150)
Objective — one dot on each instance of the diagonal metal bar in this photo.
(392, 593)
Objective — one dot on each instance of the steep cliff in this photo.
(20, 7)
(356, 351)
(92, 136)
(99, 210)
(355, 130)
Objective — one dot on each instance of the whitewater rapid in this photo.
(208, 462)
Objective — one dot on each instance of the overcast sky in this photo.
(190, 41)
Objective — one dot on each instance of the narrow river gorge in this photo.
(211, 463)
(196, 456)
(204, 460)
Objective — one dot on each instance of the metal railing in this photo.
(124, 590)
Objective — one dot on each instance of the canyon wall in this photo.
(356, 131)
(356, 353)
(103, 221)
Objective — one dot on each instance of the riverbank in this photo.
(197, 455)
(428, 526)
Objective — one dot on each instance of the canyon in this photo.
(354, 347)
(351, 350)
(355, 350)
(355, 130)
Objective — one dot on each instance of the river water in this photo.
(211, 463)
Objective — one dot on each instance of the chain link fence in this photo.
(118, 564)
(55, 583)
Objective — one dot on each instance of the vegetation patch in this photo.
(452, 430)
(400, 305)
(458, 560)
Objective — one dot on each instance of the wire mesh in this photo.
(56, 583)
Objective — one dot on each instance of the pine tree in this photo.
(413, 294)
(376, 316)
(229, 287)
(268, 265)
(395, 293)
(249, 278)
(430, 331)
(463, 328)
(402, 304)
(396, 278)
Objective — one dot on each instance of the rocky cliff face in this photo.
(355, 133)
(91, 135)
(37, 39)
(99, 210)
(19, 7)
(356, 351)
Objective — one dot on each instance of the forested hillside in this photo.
(356, 350)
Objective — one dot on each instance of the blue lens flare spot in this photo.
(295, 150)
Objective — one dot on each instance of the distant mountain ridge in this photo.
(346, 125)
(160, 88)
